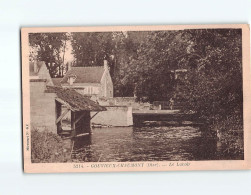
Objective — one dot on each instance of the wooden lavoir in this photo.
(80, 108)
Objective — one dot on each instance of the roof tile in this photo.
(75, 100)
(90, 74)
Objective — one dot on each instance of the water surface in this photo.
(120, 144)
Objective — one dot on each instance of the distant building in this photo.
(92, 81)
(38, 70)
(179, 73)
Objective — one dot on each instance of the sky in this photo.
(68, 53)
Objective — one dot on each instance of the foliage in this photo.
(150, 70)
(233, 144)
(230, 135)
(126, 46)
(214, 84)
(47, 147)
(48, 47)
(90, 49)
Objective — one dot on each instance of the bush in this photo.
(47, 147)
(230, 134)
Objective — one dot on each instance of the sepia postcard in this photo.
(136, 98)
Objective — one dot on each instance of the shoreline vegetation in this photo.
(48, 147)
(231, 135)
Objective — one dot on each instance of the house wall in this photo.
(44, 74)
(85, 88)
(89, 89)
(114, 116)
(106, 85)
(42, 107)
(102, 89)
(125, 101)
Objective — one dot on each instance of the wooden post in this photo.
(95, 114)
(88, 118)
(59, 119)
(80, 123)
(73, 124)
(88, 122)
(79, 117)
(58, 113)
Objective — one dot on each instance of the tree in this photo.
(150, 70)
(215, 84)
(91, 48)
(49, 47)
(126, 45)
(142, 64)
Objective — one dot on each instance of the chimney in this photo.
(71, 80)
(69, 65)
(35, 66)
(106, 67)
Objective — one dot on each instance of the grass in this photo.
(47, 147)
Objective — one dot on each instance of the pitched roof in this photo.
(74, 100)
(56, 81)
(39, 65)
(90, 74)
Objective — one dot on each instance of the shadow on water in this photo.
(167, 143)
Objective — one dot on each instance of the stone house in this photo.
(42, 105)
(92, 81)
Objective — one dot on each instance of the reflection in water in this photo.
(119, 144)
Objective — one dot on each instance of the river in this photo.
(120, 144)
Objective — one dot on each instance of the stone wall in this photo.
(124, 101)
(44, 74)
(42, 107)
(119, 116)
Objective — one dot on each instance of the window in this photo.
(71, 79)
(89, 90)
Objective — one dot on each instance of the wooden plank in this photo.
(61, 116)
(72, 148)
(79, 135)
(65, 138)
(79, 118)
(58, 110)
(66, 104)
(94, 115)
(82, 134)
(73, 124)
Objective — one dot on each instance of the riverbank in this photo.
(230, 135)
(47, 147)
(221, 141)
(163, 143)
